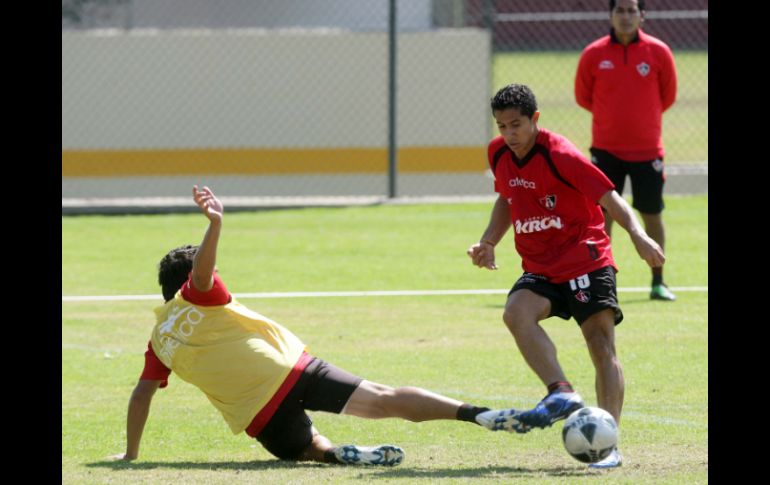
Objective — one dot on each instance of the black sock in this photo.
(657, 276)
(560, 386)
(468, 412)
(330, 457)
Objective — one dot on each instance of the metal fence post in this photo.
(392, 147)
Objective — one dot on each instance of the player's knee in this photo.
(601, 345)
(515, 319)
(397, 403)
(402, 401)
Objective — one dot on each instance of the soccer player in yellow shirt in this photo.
(258, 374)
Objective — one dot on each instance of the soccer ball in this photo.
(590, 434)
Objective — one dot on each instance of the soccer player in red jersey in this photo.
(552, 197)
(627, 79)
(258, 374)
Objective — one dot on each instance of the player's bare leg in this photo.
(599, 333)
(523, 311)
(374, 401)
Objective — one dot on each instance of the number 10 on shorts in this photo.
(581, 282)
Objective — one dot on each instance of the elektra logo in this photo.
(537, 225)
(517, 182)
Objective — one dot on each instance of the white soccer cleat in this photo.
(614, 459)
(502, 420)
(385, 455)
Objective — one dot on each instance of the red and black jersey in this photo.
(627, 89)
(553, 195)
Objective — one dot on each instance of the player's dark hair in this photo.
(639, 3)
(174, 269)
(516, 96)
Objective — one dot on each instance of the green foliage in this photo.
(454, 345)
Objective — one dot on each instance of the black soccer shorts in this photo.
(320, 387)
(579, 298)
(647, 179)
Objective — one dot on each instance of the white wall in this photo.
(268, 88)
(349, 14)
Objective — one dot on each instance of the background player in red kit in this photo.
(627, 79)
(553, 196)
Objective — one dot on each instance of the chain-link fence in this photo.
(291, 97)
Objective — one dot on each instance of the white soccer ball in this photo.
(590, 434)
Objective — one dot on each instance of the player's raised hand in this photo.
(482, 255)
(208, 202)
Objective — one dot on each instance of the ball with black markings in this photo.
(590, 434)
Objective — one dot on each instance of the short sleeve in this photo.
(154, 369)
(584, 175)
(217, 295)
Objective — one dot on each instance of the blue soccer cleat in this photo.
(554, 407)
(385, 455)
(502, 420)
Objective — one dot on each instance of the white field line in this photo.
(327, 294)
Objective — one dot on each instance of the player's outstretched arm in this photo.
(138, 411)
(206, 257)
(621, 212)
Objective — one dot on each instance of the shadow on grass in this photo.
(493, 472)
(376, 472)
(499, 306)
(203, 465)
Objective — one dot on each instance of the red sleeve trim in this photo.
(266, 413)
(154, 369)
(217, 295)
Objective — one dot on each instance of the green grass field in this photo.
(551, 75)
(455, 345)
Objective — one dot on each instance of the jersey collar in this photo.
(531, 153)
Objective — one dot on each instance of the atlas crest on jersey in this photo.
(643, 68)
(549, 202)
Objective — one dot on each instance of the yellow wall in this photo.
(104, 163)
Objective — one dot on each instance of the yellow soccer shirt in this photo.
(236, 356)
